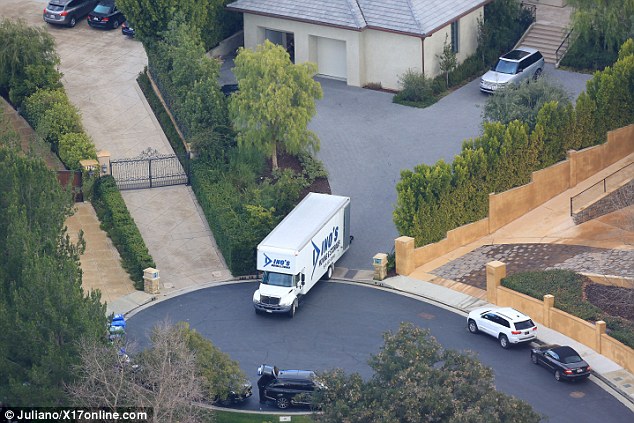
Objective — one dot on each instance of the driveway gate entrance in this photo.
(149, 170)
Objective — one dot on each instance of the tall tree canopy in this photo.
(608, 22)
(275, 103)
(43, 309)
(415, 380)
(28, 60)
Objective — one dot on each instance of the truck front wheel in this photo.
(291, 312)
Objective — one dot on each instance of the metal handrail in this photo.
(559, 55)
(601, 182)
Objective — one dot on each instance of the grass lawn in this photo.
(231, 417)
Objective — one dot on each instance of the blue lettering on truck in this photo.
(328, 246)
(279, 263)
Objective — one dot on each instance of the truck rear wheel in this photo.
(329, 272)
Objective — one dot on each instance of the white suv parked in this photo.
(506, 324)
(516, 66)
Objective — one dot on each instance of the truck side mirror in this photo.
(303, 278)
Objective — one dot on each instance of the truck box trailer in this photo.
(300, 250)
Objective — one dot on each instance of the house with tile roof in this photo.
(364, 41)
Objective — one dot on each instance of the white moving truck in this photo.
(300, 250)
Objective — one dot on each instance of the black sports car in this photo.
(563, 361)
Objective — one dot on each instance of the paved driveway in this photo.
(340, 325)
(100, 70)
(366, 140)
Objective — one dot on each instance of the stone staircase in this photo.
(546, 37)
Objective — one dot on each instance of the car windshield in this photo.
(527, 324)
(277, 279)
(103, 8)
(504, 66)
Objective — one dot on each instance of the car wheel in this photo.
(473, 327)
(258, 311)
(504, 342)
(282, 403)
(329, 272)
(558, 376)
(72, 22)
(293, 309)
(534, 358)
(115, 24)
(537, 74)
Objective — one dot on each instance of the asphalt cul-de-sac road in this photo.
(341, 325)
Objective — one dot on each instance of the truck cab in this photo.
(300, 251)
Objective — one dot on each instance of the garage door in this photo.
(331, 58)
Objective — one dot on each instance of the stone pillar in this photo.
(549, 302)
(404, 255)
(103, 157)
(496, 271)
(151, 280)
(379, 261)
(599, 328)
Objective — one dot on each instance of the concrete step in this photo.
(546, 44)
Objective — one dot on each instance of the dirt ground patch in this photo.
(287, 161)
(613, 300)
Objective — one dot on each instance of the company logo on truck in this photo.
(328, 246)
(279, 263)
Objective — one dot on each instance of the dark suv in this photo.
(292, 387)
(67, 12)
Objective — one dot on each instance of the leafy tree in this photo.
(415, 380)
(522, 102)
(610, 22)
(43, 308)
(36, 105)
(150, 18)
(275, 102)
(28, 60)
(60, 119)
(219, 374)
(447, 60)
(74, 147)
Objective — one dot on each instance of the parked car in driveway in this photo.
(288, 387)
(506, 324)
(514, 67)
(563, 361)
(105, 15)
(67, 12)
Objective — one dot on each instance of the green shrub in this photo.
(36, 105)
(417, 90)
(60, 119)
(74, 147)
(282, 191)
(121, 228)
(567, 288)
(313, 168)
(587, 54)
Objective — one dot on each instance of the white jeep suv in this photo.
(506, 324)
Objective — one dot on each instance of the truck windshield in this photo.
(277, 279)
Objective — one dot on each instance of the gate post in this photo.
(149, 168)
(103, 157)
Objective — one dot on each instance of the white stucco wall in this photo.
(468, 42)
(389, 55)
(371, 56)
(305, 43)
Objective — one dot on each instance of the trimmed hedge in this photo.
(121, 228)
(58, 122)
(161, 114)
(567, 287)
(432, 200)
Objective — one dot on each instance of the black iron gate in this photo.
(149, 170)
